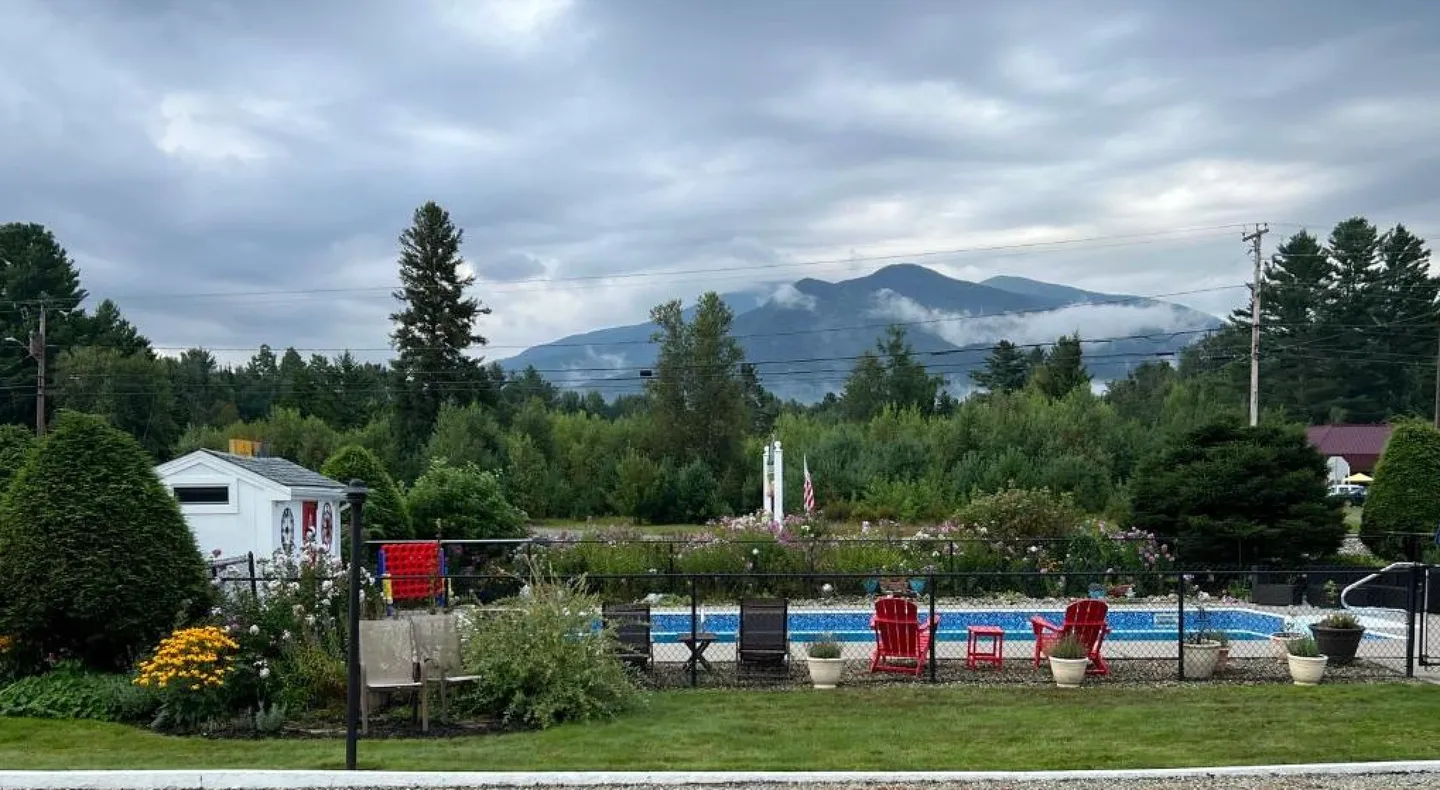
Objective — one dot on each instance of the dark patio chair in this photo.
(631, 625)
(764, 641)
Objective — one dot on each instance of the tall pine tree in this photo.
(864, 395)
(697, 393)
(1405, 322)
(909, 384)
(436, 325)
(1352, 357)
(35, 272)
(1348, 329)
(1006, 369)
(1063, 370)
(889, 376)
(1295, 287)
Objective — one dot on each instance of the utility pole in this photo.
(37, 352)
(1254, 239)
(37, 349)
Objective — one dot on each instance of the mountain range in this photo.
(803, 337)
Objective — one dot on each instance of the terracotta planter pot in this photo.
(1281, 643)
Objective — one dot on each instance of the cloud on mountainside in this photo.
(183, 147)
(1092, 321)
(787, 295)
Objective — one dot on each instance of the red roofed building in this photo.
(1360, 445)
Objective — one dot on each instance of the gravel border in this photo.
(952, 672)
(1369, 776)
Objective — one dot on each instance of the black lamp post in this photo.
(355, 495)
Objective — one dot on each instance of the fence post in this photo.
(950, 566)
(1180, 625)
(695, 631)
(1411, 599)
(1422, 636)
(670, 581)
(250, 563)
(934, 637)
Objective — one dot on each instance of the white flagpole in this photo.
(779, 483)
(765, 501)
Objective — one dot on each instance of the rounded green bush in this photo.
(466, 501)
(1405, 496)
(1233, 497)
(98, 564)
(385, 512)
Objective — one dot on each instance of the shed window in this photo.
(203, 495)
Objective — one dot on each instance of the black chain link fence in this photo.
(695, 622)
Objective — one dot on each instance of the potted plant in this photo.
(1202, 655)
(1307, 664)
(1338, 636)
(1068, 661)
(826, 665)
(1223, 660)
(1281, 639)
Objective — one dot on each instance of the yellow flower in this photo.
(197, 657)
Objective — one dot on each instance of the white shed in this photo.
(236, 504)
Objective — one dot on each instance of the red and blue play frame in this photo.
(412, 571)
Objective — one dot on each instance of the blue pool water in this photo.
(853, 625)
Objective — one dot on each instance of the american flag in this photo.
(809, 487)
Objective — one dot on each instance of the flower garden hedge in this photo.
(108, 611)
(1015, 540)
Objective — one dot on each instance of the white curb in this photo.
(367, 780)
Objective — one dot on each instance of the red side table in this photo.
(978, 652)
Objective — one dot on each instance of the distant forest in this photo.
(1350, 329)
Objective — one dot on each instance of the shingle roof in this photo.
(1349, 439)
(279, 470)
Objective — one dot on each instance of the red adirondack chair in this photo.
(902, 643)
(1086, 620)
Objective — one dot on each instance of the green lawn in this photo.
(862, 729)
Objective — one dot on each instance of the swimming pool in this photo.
(853, 625)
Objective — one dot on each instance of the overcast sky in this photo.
(184, 148)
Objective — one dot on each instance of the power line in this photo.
(1119, 300)
(922, 254)
(975, 349)
(623, 384)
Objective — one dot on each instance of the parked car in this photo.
(1351, 493)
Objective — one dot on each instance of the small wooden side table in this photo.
(979, 652)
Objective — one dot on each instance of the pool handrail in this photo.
(1394, 566)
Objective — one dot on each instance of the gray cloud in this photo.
(1099, 320)
(509, 267)
(199, 147)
